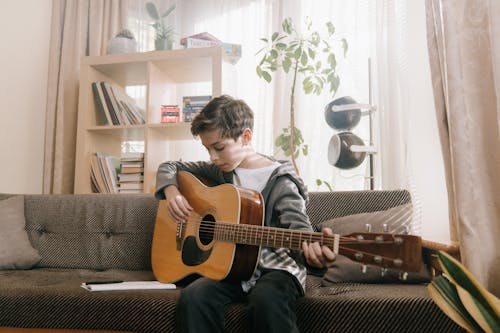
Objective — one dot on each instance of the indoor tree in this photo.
(310, 56)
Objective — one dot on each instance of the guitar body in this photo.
(182, 249)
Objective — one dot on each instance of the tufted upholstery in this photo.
(107, 236)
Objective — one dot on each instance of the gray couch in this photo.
(100, 237)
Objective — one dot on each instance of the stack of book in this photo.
(104, 169)
(205, 39)
(192, 106)
(115, 106)
(131, 176)
(170, 114)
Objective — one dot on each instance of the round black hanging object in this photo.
(342, 120)
(340, 153)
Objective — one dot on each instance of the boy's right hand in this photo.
(178, 207)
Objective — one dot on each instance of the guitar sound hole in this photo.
(207, 227)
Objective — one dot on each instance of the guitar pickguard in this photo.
(192, 255)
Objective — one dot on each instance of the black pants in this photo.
(270, 303)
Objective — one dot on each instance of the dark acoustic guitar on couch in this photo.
(222, 237)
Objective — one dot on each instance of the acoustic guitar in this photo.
(223, 235)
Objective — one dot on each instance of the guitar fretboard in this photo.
(272, 237)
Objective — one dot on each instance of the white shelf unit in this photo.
(167, 76)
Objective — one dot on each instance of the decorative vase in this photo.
(121, 45)
(163, 44)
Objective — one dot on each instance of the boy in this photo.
(225, 128)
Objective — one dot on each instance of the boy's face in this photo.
(226, 153)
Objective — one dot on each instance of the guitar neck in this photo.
(271, 236)
(390, 251)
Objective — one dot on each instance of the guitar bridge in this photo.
(179, 234)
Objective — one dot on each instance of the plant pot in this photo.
(163, 44)
(121, 45)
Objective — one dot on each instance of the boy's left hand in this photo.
(319, 256)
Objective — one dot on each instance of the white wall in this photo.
(25, 27)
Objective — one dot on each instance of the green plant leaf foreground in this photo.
(462, 277)
(444, 294)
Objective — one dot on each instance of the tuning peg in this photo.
(358, 256)
(403, 276)
(397, 262)
(363, 269)
(406, 230)
(377, 259)
(383, 272)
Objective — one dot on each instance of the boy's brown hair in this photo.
(230, 116)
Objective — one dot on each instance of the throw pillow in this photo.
(397, 219)
(394, 220)
(16, 251)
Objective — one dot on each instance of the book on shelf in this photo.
(115, 106)
(132, 185)
(131, 176)
(192, 106)
(104, 170)
(170, 114)
(101, 106)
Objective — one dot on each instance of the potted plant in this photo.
(309, 55)
(163, 33)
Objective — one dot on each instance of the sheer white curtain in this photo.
(376, 30)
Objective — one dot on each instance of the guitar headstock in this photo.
(401, 252)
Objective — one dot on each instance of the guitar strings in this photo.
(243, 230)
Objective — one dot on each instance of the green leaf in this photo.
(280, 46)
(265, 40)
(286, 64)
(344, 45)
(312, 53)
(168, 11)
(266, 76)
(303, 59)
(297, 53)
(152, 11)
(259, 71)
(273, 53)
(485, 305)
(274, 36)
(332, 61)
(307, 85)
(318, 65)
(445, 295)
(315, 38)
(331, 28)
(334, 84)
(287, 25)
(305, 150)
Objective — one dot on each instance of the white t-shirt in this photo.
(254, 179)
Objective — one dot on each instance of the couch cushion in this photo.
(16, 251)
(95, 231)
(53, 298)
